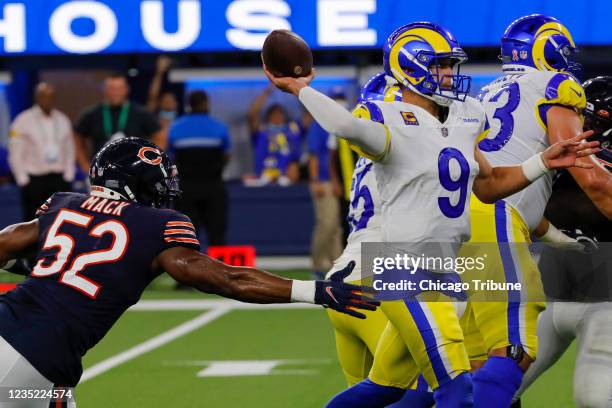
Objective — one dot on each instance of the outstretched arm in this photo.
(206, 274)
(495, 183)
(369, 136)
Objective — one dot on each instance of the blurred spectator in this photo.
(114, 118)
(276, 142)
(41, 151)
(200, 146)
(325, 189)
(162, 104)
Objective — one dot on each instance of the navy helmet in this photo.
(598, 115)
(138, 171)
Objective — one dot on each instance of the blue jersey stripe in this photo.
(514, 300)
(431, 346)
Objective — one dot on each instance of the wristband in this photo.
(554, 235)
(303, 291)
(534, 168)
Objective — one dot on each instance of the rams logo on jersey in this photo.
(409, 118)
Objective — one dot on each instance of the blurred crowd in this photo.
(47, 153)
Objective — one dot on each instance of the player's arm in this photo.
(369, 137)
(17, 241)
(564, 123)
(206, 274)
(495, 183)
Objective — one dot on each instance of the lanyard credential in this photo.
(108, 122)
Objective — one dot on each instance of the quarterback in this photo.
(426, 162)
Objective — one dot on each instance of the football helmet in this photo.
(598, 115)
(138, 171)
(413, 55)
(540, 42)
(380, 87)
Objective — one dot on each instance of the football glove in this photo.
(343, 297)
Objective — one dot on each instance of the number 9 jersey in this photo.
(94, 260)
(425, 176)
(516, 106)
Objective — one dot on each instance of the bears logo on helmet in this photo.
(152, 180)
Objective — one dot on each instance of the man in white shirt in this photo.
(41, 150)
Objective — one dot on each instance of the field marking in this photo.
(215, 309)
(154, 343)
(203, 304)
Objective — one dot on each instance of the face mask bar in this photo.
(460, 84)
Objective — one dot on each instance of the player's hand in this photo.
(564, 154)
(344, 297)
(289, 84)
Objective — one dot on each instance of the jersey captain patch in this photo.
(409, 118)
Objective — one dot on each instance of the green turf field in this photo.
(292, 349)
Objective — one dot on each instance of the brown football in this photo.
(286, 54)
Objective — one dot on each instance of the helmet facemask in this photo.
(441, 92)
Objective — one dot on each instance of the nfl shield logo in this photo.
(523, 55)
(444, 132)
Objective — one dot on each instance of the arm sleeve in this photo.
(179, 231)
(371, 138)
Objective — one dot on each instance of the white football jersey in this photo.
(425, 179)
(516, 106)
(363, 218)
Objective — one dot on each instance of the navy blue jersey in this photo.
(94, 260)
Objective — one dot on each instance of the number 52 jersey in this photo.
(516, 105)
(94, 261)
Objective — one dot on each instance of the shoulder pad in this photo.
(369, 110)
(564, 89)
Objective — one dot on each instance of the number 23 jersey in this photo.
(94, 261)
(516, 105)
(426, 176)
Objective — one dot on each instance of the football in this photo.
(286, 54)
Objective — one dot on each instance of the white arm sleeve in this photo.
(371, 137)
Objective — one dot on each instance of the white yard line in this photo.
(154, 343)
(216, 308)
(203, 304)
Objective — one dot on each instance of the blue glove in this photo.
(344, 297)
